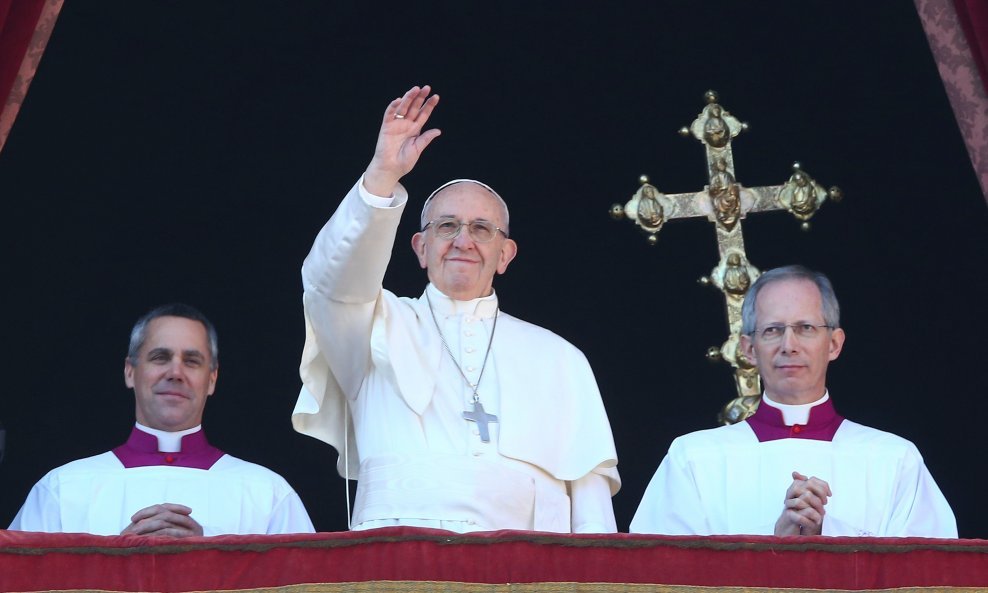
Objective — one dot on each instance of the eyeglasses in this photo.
(774, 333)
(480, 231)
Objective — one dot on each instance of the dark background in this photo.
(191, 150)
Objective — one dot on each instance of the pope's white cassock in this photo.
(99, 494)
(380, 388)
(733, 479)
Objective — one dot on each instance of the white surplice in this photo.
(99, 495)
(724, 481)
(374, 366)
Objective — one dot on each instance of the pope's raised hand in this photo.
(401, 140)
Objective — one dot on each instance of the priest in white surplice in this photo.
(166, 480)
(449, 412)
(795, 467)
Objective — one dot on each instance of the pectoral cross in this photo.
(724, 202)
(481, 417)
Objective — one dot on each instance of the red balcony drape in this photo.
(402, 559)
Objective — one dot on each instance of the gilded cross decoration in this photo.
(725, 202)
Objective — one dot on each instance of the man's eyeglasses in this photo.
(480, 231)
(774, 333)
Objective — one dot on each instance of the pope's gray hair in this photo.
(139, 334)
(423, 218)
(830, 307)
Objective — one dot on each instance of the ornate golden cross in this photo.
(725, 202)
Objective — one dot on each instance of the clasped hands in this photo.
(804, 506)
(166, 519)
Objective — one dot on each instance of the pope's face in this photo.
(462, 268)
(793, 369)
(172, 377)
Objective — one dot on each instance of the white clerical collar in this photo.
(483, 307)
(168, 442)
(795, 413)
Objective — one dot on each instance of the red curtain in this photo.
(25, 26)
(407, 560)
(958, 34)
(973, 17)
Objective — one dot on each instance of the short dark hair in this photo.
(138, 335)
(830, 307)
